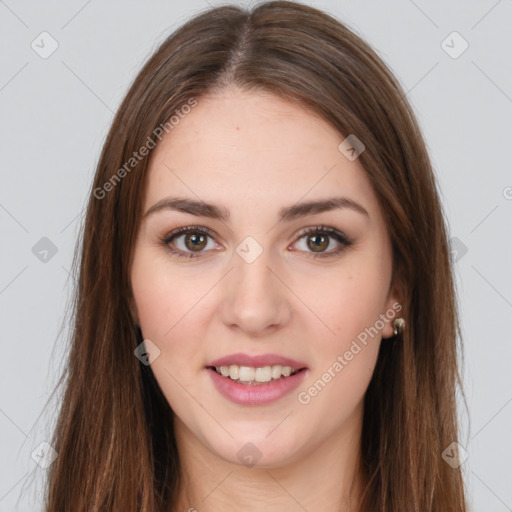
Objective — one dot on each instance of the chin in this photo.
(256, 452)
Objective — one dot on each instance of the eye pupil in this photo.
(319, 245)
(198, 241)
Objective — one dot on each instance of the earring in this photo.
(398, 326)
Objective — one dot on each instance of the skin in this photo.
(255, 153)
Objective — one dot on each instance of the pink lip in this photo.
(258, 394)
(241, 359)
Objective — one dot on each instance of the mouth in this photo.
(255, 376)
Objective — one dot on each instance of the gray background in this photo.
(55, 113)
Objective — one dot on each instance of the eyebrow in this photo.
(288, 213)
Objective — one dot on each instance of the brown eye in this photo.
(188, 242)
(318, 243)
(323, 241)
(195, 241)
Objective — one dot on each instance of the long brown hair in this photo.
(114, 434)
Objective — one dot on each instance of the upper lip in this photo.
(257, 361)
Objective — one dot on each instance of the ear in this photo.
(394, 309)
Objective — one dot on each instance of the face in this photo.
(261, 275)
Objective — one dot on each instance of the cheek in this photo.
(347, 304)
(155, 303)
(167, 299)
(347, 351)
(345, 301)
(338, 388)
(169, 309)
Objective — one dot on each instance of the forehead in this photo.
(254, 147)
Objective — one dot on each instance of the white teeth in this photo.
(234, 371)
(245, 373)
(263, 374)
(259, 374)
(276, 371)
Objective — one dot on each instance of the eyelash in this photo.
(323, 230)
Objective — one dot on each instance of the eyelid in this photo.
(336, 233)
(331, 232)
(186, 229)
(342, 239)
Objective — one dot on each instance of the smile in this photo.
(250, 375)
(251, 391)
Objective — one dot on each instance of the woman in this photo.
(265, 315)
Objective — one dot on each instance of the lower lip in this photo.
(258, 394)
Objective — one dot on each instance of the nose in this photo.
(255, 298)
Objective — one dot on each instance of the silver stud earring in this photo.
(398, 326)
